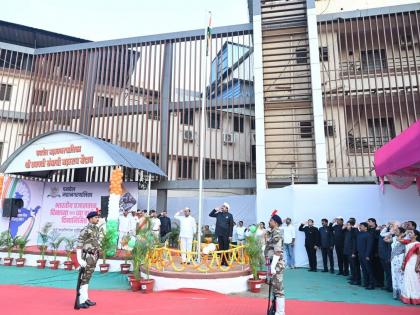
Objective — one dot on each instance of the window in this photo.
(238, 124)
(329, 128)
(210, 170)
(323, 53)
(374, 59)
(153, 115)
(39, 98)
(381, 127)
(233, 170)
(187, 117)
(5, 92)
(185, 166)
(301, 55)
(252, 123)
(305, 129)
(213, 120)
(103, 101)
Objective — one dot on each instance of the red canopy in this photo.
(399, 159)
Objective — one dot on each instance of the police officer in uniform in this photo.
(87, 256)
(274, 251)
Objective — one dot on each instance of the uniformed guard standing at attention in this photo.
(87, 256)
(274, 251)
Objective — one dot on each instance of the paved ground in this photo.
(299, 285)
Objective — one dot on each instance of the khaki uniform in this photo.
(275, 244)
(89, 242)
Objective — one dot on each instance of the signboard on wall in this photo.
(28, 217)
(67, 204)
(59, 151)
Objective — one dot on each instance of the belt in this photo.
(156, 230)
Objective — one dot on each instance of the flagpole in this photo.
(202, 130)
(148, 193)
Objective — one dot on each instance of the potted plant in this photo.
(70, 242)
(253, 250)
(105, 244)
(55, 241)
(21, 244)
(141, 253)
(9, 242)
(135, 278)
(43, 239)
(125, 267)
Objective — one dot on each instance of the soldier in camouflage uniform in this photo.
(87, 256)
(274, 251)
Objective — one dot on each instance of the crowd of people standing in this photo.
(386, 256)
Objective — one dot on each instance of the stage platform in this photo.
(171, 275)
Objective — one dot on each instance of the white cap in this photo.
(340, 218)
(226, 205)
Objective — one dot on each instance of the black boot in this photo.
(81, 305)
(90, 303)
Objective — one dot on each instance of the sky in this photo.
(110, 19)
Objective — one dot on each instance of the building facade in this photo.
(304, 93)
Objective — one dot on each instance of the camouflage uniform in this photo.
(89, 242)
(275, 244)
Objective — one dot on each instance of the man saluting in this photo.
(87, 256)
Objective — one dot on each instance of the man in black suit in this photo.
(224, 227)
(378, 271)
(338, 229)
(350, 251)
(365, 249)
(165, 223)
(311, 242)
(327, 245)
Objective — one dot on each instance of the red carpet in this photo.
(37, 300)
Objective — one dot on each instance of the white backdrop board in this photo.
(301, 202)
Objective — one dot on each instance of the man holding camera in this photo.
(224, 227)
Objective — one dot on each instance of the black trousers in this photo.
(223, 242)
(386, 266)
(378, 271)
(311, 251)
(327, 254)
(367, 272)
(346, 264)
(340, 257)
(354, 268)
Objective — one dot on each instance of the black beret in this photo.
(92, 214)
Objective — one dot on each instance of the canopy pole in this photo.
(207, 40)
(148, 192)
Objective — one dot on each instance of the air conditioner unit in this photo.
(253, 139)
(228, 138)
(188, 135)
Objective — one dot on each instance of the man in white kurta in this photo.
(188, 228)
(133, 222)
(124, 224)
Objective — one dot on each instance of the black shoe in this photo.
(345, 274)
(324, 270)
(332, 271)
(315, 270)
(371, 287)
(339, 273)
(90, 303)
(389, 290)
(81, 305)
(310, 269)
(350, 278)
(355, 283)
